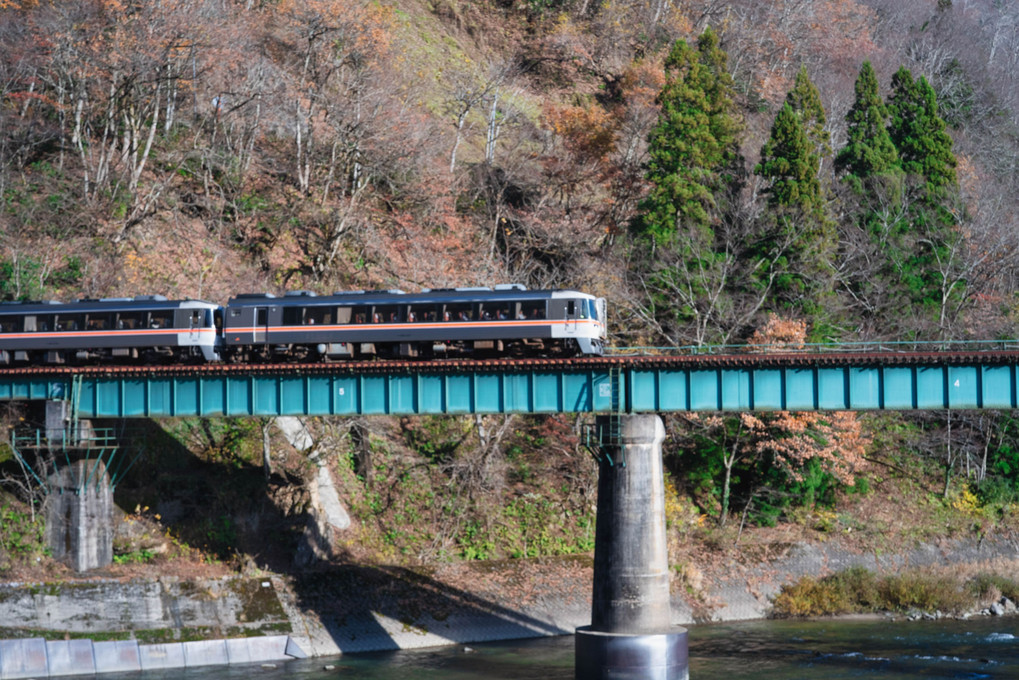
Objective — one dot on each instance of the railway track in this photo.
(805, 359)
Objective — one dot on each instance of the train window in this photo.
(360, 314)
(318, 316)
(422, 313)
(463, 311)
(70, 322)
(45, 323)
(197, 319)
(217, 319)
(98, 322)
(10, 324)
(593, 309)
(262, 317)
(30, 325)
(161, 319)
(343, 315)
(532, 309)
(131, 320)
(491, 311)
(583, 309)
(386, 314)
(293, 316)
(571, 308)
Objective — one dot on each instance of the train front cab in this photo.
(583, 320)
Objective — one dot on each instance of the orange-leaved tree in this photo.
(784, 453)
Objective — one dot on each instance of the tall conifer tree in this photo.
(690, 145)
(805, 100)
(694, 168)
(796, 226)
(919, 132)
(718, 87)
(789, 163)
(869, 150)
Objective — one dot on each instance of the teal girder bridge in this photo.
(981, 378)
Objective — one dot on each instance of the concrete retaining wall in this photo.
(37, 657)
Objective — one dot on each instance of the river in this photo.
(776, 650)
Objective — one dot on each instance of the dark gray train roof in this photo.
(139, 303)
(368, 297)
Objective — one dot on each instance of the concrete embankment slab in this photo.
(70, 657)
(117, 656)
(37, 658)
(205, 653)
(22, 658)
(158, 657)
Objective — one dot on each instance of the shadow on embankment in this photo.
(227, 510)
(370, 608)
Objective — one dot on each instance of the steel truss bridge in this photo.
(793, 381)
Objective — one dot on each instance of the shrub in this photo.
(859, 590)
(860, 586)
(992, 586)
(811, 597)
(923, 591)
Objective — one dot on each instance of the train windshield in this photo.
(592, 309)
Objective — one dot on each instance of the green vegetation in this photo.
(136, 556)
(22, 534)
(449, 500)
(29, 278)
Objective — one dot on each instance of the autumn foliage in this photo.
(200, 148)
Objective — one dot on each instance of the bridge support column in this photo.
(631, 636)
(79, 502)
(79, 515)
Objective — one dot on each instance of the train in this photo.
(506, 320)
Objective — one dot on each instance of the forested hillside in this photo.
(723, 172)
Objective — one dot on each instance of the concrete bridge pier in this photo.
(79, 501)
(79, 515)
(631, 636)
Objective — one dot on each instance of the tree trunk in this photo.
(728, 462)
(949, 461)
(266, 448)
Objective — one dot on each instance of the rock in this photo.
(295, 432)
(997, 609)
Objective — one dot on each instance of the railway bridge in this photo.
(631, 634)
(969, 378)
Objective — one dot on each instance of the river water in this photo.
(776, 650)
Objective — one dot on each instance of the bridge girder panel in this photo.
(644, 387)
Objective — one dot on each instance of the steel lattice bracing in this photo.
(795, 382)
